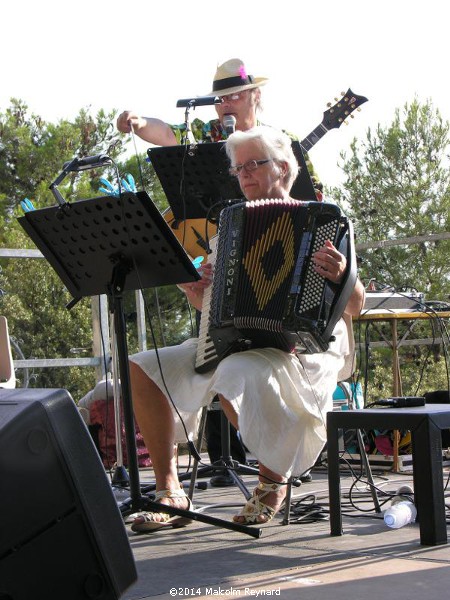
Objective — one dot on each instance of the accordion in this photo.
(265, 290)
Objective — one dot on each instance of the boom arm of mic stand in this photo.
(76, 165)
(54, 186)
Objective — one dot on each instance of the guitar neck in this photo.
(310, 140)
(334, 117)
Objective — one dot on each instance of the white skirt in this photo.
(281, 399)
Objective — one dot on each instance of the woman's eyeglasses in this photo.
(249, 166)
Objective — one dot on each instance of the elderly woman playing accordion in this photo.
(276, 399)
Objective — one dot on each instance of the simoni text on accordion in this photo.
(265, 291)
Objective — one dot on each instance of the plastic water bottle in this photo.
(402, 510)
(400, 513)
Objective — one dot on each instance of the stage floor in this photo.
(299, 560)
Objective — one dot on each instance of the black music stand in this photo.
(109, 245)
(195, 179)
(197, 182)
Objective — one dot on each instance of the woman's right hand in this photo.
(194, 290)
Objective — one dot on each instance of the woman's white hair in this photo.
(275, 143)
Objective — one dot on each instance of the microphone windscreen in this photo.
(229, 122)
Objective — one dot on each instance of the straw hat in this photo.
(232, 77)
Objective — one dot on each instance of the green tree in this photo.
(398, 186)
(32, 153)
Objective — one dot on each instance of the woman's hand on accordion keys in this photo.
(194, 291)
(330, 263)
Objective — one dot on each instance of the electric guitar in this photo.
(191, 233)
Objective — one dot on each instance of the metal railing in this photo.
(101, 322)
(101, 329)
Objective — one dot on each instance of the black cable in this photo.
(141, 176)
(107, 398)
(141, 287)
(447, 482)
(306, 510)
(426, 307)
(191, 447)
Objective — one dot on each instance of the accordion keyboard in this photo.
(207, 357)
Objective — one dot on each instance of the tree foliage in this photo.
(397, 186)
(32, 153)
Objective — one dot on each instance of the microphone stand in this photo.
(189, 136)
(192, 103)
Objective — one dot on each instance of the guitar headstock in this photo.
(338, 113)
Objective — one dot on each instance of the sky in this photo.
(145, 55)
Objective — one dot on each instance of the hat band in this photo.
(223, 84)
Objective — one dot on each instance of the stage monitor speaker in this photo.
(62, 534)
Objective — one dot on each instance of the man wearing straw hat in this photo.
(241, 98)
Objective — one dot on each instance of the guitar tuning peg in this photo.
(352, 116)
(358, 109)
(342, 93)
(328, 104)
(336, 99)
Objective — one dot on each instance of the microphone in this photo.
(88, 162)
(403, 401)
(199, 101)
(229, 123)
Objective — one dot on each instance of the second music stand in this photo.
(197, 182)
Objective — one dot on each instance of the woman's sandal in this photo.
(254, 507)
(145, 521)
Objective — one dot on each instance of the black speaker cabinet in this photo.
(61, 532)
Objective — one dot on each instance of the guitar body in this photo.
(194, 234)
